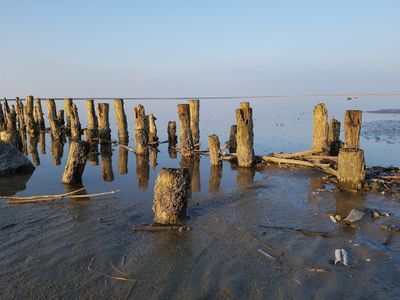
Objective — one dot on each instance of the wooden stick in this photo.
(299, 154)
(35, 200)
(121, 120)
(159, 227)
(41, 196)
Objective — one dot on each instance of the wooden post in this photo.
(104, 123)
(214, 149)
(185, 134)
(121, 121)
(33, 150)
(152, 129)
(352, 128)
(60, 118)
(76, 163)
(2, 119)
(334, 137)
(20, 113)
(142, 171)
(141, 135)
(194, 106)
(351, 168)
(29, 120)
(171, 130)
(232, 142)
(75, 124)
(321, 129)
(91, 132)
(67, 108)
(171, 196)
(244, 120)
(38, 115)
(42, 142)
(10, 134)
(55, 128)
(57, 150)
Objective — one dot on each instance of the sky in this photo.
(171, 48)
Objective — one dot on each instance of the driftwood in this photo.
(298, 154)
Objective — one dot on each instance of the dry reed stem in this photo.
(41, 196)
(106, 275)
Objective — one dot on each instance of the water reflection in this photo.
(106, 162)
(33, 142)
(57, 150)
(42, 142)
(142, 171)
(244, 178)
(215, 178)
(193, 164)
(153, 157)
(122, 160)
(346, 201)
(93, 155)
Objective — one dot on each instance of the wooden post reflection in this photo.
(215, 178)
(244, 178)
(57, 150)
(93, 155)
(122, 160)
(33, 149)
(153, 157)
(193, 164)
(142, 171)
(42, 142)
(106, 162)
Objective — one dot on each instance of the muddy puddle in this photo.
(253, 233)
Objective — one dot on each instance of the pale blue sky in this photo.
(198, 48)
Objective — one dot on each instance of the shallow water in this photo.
(47, 247)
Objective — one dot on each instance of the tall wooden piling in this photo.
(244, 122)
(55, 129)
(67, 108)
(194, 106)
(141, 135)
(29, 119)
(334, 137)
(10, 134)
(171, 130)
(121, 121)
(122, 160)
(76, 162)
(104, 123)
(75, 123)
(171, 196)
(320, 129)
(20, 113)
(153, 138)
(351, 169)
(214, 149)
(232, 142)
(38, 115)
(352, 128)
(185, 133)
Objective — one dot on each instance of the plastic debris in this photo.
(354, 216)
(341, 256)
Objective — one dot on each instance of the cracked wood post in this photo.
(55, 128)
(334, 137)
(214, 149)
(2, 119)
(75, 124)
(20, 113)
(352, 128)
(194, 105)
(141, 135)
(171, 192)
(153, 138)
(91, 130)
(10, 134)
(232, 142)
(67, 108)
(351, 168)
(29, 119)
(38, 115)
(60, 118)
(171, 130)
(320, 129)
(76, 162)
(104, 123)
(185, 133)
(123, 136)
(244, 119)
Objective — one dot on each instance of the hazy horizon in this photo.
(179, 48)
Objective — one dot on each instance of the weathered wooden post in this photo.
(20, 113)
(194, 106)
(244, 120)
(104, 123)
(91, 132)
(75, 123)
(153, 139)
(42, 142)
(141, 135)
(142, 171)
(29, 120)
(33, 150)
(214, 149)
(171, 130)
(232, 142)
(60, 118)
(67, 108)
(320, 130)
(55, 128)
(171, 196)
(121, 121)
(351, 162)
(2, 119)
(334, 137)
(185, 133)
(38, 115)
(10, 134)
(352, 128)
(76, 162)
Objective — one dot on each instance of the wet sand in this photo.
(46, 249)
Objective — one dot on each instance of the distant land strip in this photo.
(348, 95)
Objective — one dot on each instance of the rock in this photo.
(354, 216)
(12, 161)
